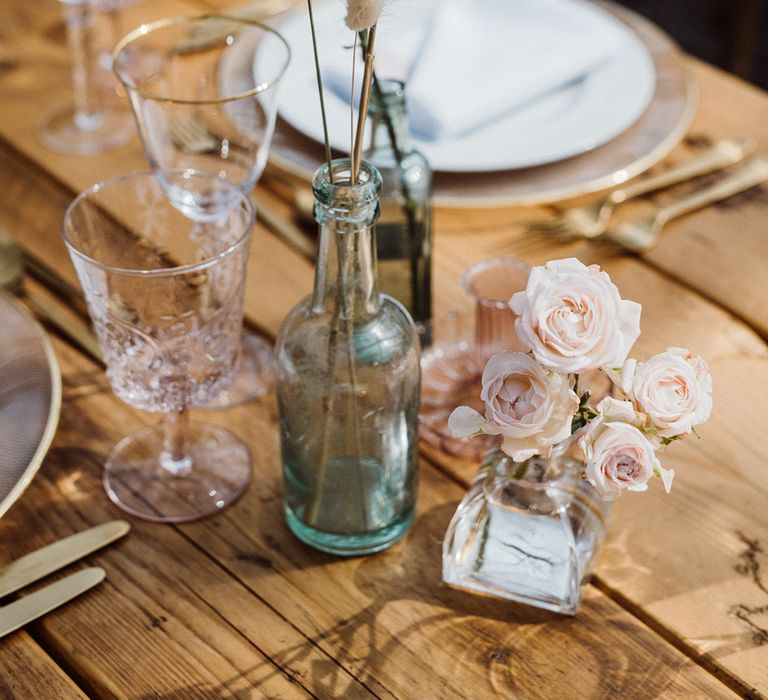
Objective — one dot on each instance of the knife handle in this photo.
(30, 607)
(54, 556)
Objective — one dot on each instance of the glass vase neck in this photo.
(389, 120)
(345, 275)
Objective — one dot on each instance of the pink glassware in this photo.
(165, 293)
(452, 368)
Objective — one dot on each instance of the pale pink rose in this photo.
(618, 455)
(529, 406)
(674, 390)
(620, 458)
(572, 317)
(611, 410)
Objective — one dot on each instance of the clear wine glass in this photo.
(204, 91)
(91, 123)
(165, 293)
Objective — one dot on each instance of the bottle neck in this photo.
(385, 128)
(389, 122)
(345, 275)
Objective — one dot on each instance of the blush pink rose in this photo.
(618, 455)
(529, 406)
(673, 389)
(572, 318)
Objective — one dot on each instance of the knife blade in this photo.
(32, 606)
(46, 560)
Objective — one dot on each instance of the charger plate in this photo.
(30, 398)
(658, 130)
(573, 119)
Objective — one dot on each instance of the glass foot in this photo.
(61, 132)
(217, 472)
(255, 376)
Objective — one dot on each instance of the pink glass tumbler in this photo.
(452, 368)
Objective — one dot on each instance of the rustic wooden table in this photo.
(235, 607)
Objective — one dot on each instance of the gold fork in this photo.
(591, 220)
(641, 235)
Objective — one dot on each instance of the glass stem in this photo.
(78, 16)
(175, 457)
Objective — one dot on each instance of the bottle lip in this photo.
(392, 95)
(341, 194)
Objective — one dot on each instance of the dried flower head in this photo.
(362, 14)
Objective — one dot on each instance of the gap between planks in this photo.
(631, 608)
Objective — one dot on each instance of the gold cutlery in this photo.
(591, 220)
(30, 607)
(283, 228)
(299, 195)
(35, 565)
(639, 236)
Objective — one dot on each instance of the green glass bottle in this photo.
(404, 229)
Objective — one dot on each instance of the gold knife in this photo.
(32, 606)
(46, 560)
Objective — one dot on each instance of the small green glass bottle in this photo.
(404, 228)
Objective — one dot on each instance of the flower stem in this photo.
(342, 320)
(326, 142)
(365, 97)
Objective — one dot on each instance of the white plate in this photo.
(30, 399)
(645, 143)
(569, 122)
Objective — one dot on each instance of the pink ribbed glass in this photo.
(492, 283)
(452, 368)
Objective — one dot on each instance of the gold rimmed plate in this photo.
(651, 138)
(30, 398)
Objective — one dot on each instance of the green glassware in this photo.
(404, 229)
(348, 385)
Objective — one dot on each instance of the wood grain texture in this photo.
(686, 563)
(26, 671)
(235, 606)
(674, 560)
(723, 251)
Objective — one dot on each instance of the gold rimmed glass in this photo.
(204, 91)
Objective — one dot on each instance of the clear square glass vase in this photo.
(526, 531)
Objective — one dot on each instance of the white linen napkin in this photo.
(469, 62)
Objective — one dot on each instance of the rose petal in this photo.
(465, 421)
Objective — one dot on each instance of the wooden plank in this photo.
(672, 315)
(26, 671)
(722, 251)
(462, 238)
(222, 605)
(154, 625)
